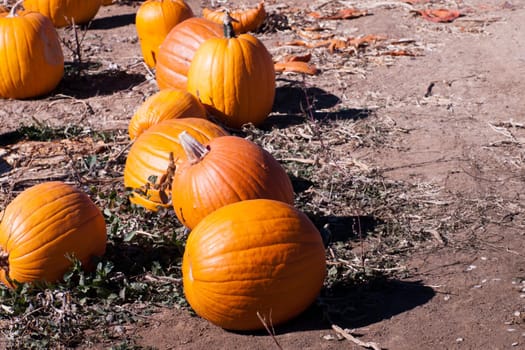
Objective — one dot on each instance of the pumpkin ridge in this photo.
(80, 223)
(43, 206)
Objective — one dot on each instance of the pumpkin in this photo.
(64, 13)
(165, 104)
(154, 20)
(177, 50)
(43, 227)
(32, 59)
(245, 20)
(253, 258)
(148, 161)
(226, 170)
(234, 78)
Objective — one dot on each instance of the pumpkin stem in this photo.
(15, 7)
(228, 20)
(4, 261)
(195, 151)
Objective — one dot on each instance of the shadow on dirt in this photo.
(294, 103)
(344, 228)
(355, 306)
(99, 83)
(113, 21)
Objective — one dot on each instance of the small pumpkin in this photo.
(165, 104)
(178, 48)
(154, 20)
(253, 258)
(234, 78)
(32, 59)
(227, 169)
(247, 20)
(149, 158)
(64, 13)
(44, 225)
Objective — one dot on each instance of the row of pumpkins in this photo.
(251, 255)
(169, 36)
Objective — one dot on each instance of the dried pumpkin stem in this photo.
(15, 7)
(195, 151)
(228, 20)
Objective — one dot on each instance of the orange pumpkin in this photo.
(250, 258)
(64, 13)
(234, 78)
(178, 48)
(245, 20)
(154, 20)
(32, 59)
(165, 104)
(226, 170)
(149, 156)
(44, 225)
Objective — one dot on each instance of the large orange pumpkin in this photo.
(177, 50)
(256, 257)
(44, 225)
(165, 104)
(226, 170)
(234, 78)
(245, 20)
(149, 157)
(32, 61)
(65, 12)
(154, 20)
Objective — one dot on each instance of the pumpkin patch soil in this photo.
(435, 107)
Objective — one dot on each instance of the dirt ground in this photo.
(453, 109)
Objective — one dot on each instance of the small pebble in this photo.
(522, 295)
(484, 281)
(514, 344)
(477, 286)
(459, 340)
(471, 267)
(517, 313)
(446, 297)
(511, 329)
(484, 258)
(329, 337)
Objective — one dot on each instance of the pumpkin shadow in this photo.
(294, 104)
(135, 258)
(98, 84)
(112, 22)
(343, 228)
(360, 305)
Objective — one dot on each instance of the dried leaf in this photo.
(365, 40)
(439, 15)
(314, 36)
(298, 43)
(297, 67)
(337, 44)
(293, 58)
(314, 14)
(399, 53)
(348, 13)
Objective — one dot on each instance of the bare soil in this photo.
(447, 121)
